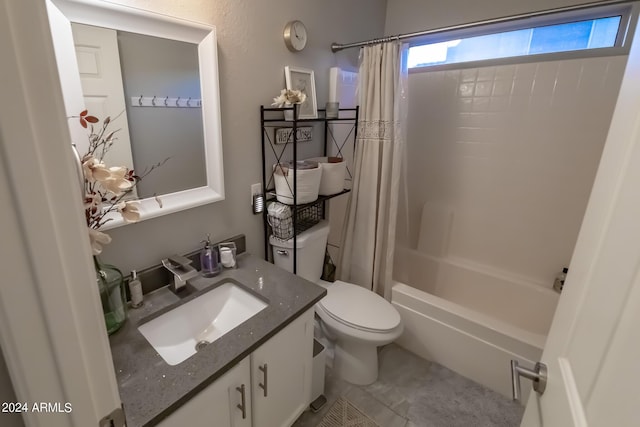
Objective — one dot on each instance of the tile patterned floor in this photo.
(413, 392)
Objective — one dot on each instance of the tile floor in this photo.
(413, 392)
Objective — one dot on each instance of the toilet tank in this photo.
(310, 247)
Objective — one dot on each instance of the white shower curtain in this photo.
(369, 233)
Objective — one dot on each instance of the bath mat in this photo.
(344, 414)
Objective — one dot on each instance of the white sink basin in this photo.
(176, 333)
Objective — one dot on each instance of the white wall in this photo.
(404, 16)
(252, 57)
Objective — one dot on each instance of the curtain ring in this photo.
(153, 101)
(140, 101)
(165, 101)
(178, 102)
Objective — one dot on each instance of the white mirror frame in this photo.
(99, 13)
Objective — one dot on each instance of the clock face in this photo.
(295, 36)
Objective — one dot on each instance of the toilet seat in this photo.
(359, 308)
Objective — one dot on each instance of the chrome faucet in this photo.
(181, 269)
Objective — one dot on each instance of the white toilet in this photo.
(356, 319)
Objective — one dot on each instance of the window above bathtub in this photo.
(593, 32)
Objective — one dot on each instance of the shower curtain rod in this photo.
(335, 47)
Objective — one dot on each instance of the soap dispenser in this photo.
(135, 288)
(209, 259)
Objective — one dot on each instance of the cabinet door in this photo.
(281, 374)
(216, 405)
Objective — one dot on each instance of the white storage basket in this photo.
(308, 182)
(333, 174)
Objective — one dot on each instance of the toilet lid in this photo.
(357, 306)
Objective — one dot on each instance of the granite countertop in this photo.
(151, 389)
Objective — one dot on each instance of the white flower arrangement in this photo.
(289, 96)
(106, 189)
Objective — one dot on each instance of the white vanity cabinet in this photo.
(276, 379)
(281, 374)
(220, 404)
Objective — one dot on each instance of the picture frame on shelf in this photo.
(303, 79)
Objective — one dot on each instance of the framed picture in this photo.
(302, 79)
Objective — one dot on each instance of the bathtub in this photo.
(470, 319)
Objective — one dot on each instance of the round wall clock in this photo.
(295, 36)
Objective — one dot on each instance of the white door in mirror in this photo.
(101, 79)
(295, 36)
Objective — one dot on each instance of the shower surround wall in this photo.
(501, 161)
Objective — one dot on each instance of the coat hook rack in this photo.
(168, 102)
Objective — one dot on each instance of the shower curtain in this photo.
(369, 231)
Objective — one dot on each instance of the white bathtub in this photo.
(470, 319)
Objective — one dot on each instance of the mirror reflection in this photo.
(152, 86)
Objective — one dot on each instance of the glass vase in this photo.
(288, 114)
(112, 295)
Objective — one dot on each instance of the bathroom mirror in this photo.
(132, 23)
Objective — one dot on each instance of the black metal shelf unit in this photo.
(304, 216)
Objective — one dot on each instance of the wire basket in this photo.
(282, 223)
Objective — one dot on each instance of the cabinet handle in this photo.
(261, 385)
(242, 406)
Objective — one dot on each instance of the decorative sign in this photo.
(284, 135)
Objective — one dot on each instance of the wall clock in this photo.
(295, 36)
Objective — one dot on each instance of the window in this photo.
(575, 35)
